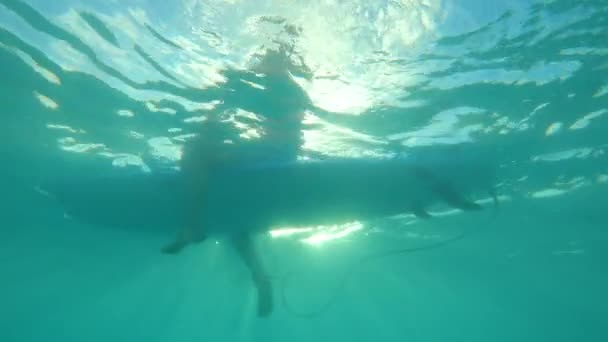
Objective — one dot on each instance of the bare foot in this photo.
(183, 239)
(174, 247)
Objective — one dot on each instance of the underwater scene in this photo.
(323, 170)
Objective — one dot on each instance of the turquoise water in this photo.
(103, 88)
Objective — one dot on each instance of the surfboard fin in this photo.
(446, 192)
(420, 212)
(456, 200)
(494, 196)
(467, 205)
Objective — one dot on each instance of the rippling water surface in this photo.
(92, 88)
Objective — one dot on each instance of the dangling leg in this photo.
(245, 248)
(194, 170)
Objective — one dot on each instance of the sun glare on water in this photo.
(320, 234)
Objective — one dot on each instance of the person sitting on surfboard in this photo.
(281, 140)
(209, 155)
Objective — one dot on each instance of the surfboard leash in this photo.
(355, 266)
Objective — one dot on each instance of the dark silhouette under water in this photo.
(242, 188)
(220, 176)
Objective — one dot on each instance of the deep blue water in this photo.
(98, 88)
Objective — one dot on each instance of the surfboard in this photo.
(256, 196)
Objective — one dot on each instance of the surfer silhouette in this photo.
(280, 105)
